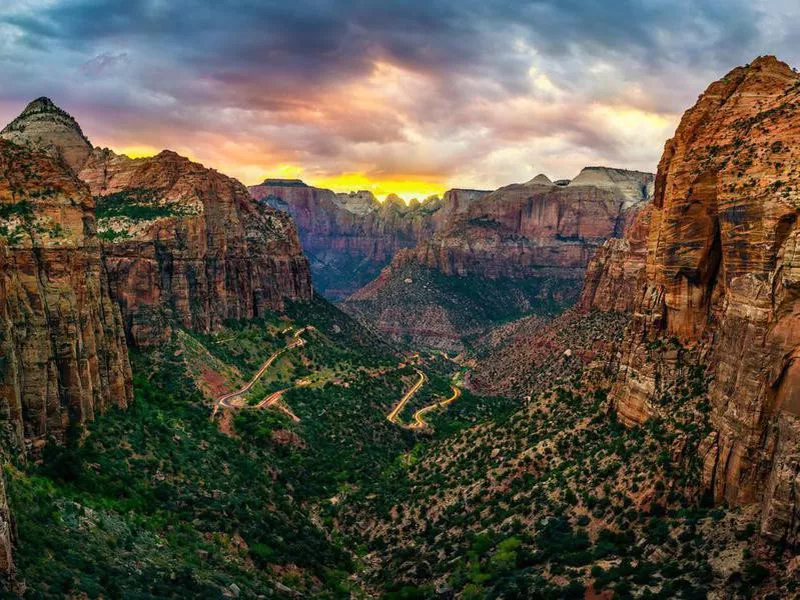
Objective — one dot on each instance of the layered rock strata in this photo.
(349, 238)
(62, 346)
(722, 278)
(183, 243)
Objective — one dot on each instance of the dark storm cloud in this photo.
(299, 79)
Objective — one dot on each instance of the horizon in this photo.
(382, 98)
(340, 188)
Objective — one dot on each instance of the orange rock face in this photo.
(351, 237)
(522, 229)
(722, 276)
(182, 243)
(201, 252)
(62, 346)
(616, 272)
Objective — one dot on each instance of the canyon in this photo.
(350, 237)
(522, 248)
(627, 348)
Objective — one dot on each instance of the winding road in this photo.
(419, 422)
(224, 400)
(392, 416)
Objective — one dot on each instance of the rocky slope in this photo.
(722, 281)
(182, 242)
(616, 272)
(534, 240)
(349, 238)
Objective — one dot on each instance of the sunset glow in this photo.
(380, 97)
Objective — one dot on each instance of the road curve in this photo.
(419, 422)
(224, 400)
(392, 416)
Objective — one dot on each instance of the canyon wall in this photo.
(185, 243)
(722, 279)
(62, 346)
(182, 243)
(616, 272)
(63, 357)
(349, 238)
(522, 248)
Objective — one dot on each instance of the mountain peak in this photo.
(540, 179)
(44, 126)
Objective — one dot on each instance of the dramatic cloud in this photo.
(416, 94)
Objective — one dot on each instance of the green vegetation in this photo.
(157, 502)
(502, 498)
(138, 205)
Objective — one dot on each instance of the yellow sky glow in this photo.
(405, 188)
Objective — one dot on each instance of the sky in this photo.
(411, 96)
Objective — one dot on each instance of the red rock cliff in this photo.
(349, 238)
(524, 229)
(616, 272)
(182, 242)
(187, 243)
(62, 346)
(722, 276)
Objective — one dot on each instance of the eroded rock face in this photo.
(532, 241)
(62, 346)
(722, 277)
(182, 243)
(616, 272)
(520, 229)
(186, 243)
(349, 238)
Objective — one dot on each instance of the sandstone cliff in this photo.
(616, 273)
(722, 279)
(63, 357)
(522, 248)
(182, 243)
(349, 238)
(62, 347)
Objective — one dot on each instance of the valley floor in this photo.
(332, 467)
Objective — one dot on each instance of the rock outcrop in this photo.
(533, 241)
(349, 238)
(616, 273)
(722, 278)
(62, 346)
(183, 243)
